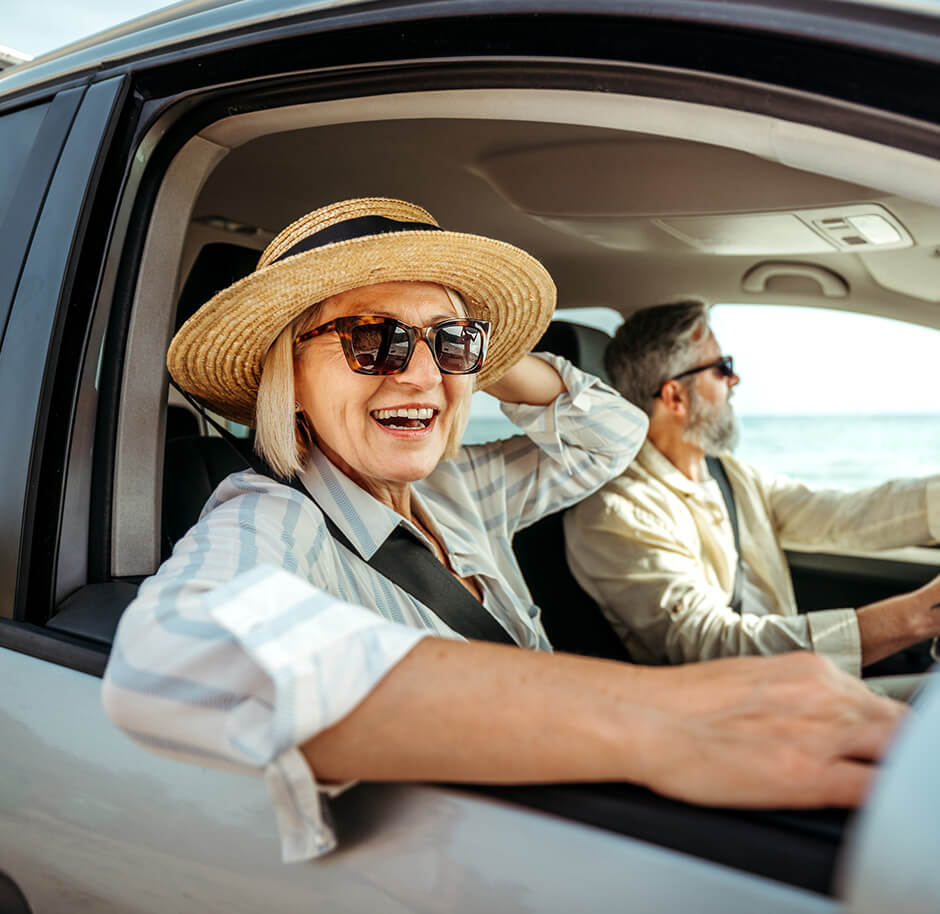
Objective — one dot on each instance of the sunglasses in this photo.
(724, 366)
(384, 345)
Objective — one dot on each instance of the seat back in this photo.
(194, 464)
(573, 621)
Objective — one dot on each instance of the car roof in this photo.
(179, 22)
(192, 20)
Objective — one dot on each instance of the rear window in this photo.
(18, 133)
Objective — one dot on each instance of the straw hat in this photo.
(217, 355)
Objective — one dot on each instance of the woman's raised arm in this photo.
(530, 380)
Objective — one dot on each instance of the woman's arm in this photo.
(786, 731)
(531, 380)
(225, 661)
(579, 433)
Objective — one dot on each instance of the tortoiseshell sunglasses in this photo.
(384, 345)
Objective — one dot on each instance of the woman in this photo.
(268, 641)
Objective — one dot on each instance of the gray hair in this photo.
(652, 346)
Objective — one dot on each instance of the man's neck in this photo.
(685, 457)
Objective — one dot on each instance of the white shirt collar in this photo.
(364, 519)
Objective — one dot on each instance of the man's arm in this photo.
(903, 512)
(655, 590)
(640, 565)
(789, 731)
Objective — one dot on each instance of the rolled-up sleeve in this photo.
(581, 440)
(229, 657)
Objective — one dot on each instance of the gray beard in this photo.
(712, 426)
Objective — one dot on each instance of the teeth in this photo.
(422, 413)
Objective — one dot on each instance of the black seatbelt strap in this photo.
(401, 558)
(406, 562)
(717, 470)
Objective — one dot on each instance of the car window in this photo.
(23, 179)
(18, 132)
(833, 398)
(487, 422)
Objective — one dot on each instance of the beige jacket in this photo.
(656, 551)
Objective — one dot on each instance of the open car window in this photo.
(833, 398)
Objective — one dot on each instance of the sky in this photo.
(808, 360)
(791, 360)
(43, 25)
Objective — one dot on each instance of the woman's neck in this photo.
(394, 495)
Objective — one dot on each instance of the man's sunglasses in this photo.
(724, 366)
(384, 345)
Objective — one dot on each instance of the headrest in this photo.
(580, 345)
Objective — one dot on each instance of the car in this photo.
(748, 152)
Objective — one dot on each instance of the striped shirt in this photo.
(261, 630)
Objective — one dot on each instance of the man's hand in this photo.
(898, 622)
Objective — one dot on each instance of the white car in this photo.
(746, 151)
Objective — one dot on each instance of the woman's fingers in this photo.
(789, 731)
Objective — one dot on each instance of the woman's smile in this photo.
(413, 419)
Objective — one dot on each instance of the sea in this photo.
(842, 451)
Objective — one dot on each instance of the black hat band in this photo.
(360, 227)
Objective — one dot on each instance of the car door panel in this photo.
(88, 820)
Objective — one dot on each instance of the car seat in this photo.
(194, 464)
(573, 621)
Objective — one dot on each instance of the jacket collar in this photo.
(658, 465)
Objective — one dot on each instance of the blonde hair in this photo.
(283, 436)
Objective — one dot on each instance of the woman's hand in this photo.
(530, 380)
(788, 731)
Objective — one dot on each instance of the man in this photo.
(656, 548)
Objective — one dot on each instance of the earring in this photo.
(297, 407)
